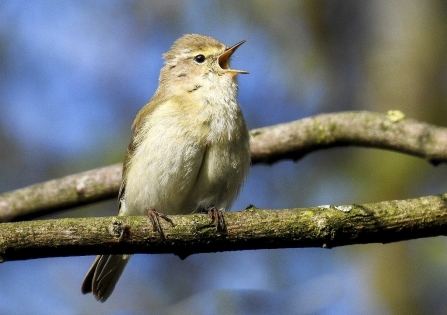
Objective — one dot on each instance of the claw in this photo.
(217, 216)
(154, 216)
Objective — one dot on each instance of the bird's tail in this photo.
(103, 275)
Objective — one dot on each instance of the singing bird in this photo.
(189, 150)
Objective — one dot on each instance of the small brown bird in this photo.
(189, 150)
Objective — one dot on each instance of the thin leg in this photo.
(217, 216)
(154, 215)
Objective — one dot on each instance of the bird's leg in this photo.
(217, 216)
(154, 215)
(124, 234)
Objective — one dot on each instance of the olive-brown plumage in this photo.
(189, 149)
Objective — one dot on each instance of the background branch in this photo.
(325, 226)
(62, 193)
(391, 131)
(268, 145)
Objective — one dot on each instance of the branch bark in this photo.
(253, 228)
(59, 194)
(268, 145)
(391, 131)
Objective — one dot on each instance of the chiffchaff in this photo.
(189, 150)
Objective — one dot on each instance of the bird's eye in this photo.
(199, 58)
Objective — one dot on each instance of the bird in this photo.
(189, 150)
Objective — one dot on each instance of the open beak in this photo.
(224, 59)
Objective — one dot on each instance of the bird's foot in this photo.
(154, 215)
(217, 217)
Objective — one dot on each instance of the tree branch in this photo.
(59, 194)
(392, 131)
(324, 226)
(268, 145)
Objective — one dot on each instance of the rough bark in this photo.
(253, 228)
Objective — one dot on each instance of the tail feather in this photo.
(103, 275)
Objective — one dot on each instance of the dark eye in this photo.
(199, 58)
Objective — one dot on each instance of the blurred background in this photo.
(73, 75)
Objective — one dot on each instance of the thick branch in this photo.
(325, 226)
(268, 145)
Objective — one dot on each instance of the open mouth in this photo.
(224, 59)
